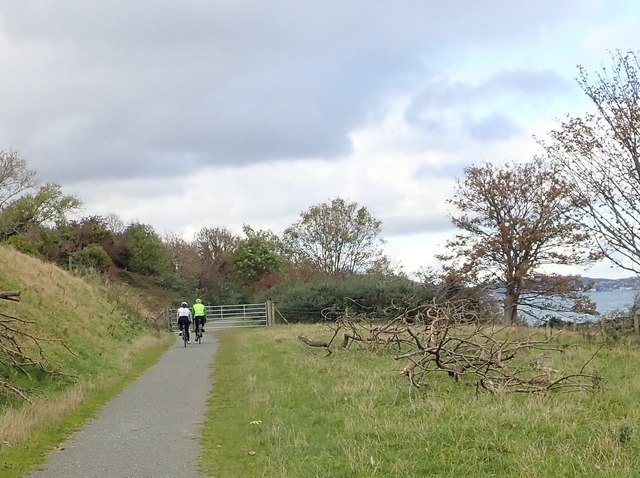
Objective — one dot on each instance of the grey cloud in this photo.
(540, 83)
(440, 94)
(139, 88)
(449, 110)
(493, 127)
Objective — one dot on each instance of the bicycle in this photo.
(183, 333)
(198, 330)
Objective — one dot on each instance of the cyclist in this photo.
(184, 319)
(199, 316)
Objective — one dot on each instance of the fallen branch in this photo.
(7, 295)
(23, 351)
(442, 338)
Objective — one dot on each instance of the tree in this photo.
(215, 243)
(256, 256)
(186, 263)
(215, 246)
(514, 222)
(147, 254)
(46, 206)
(183, 255)
(15, 177)
(67, 238)
(598, 155)
(339, 237)
(114, 223)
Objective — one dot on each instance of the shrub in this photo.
(92, 256)
(21, 244)
(372, 295)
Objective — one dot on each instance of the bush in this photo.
(21, 244)
(370, 295)
(92, 256)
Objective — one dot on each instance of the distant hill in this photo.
(599, 284)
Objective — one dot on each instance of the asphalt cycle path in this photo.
(151, 429)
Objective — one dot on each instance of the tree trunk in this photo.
(510, 308)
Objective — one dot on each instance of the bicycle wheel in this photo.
(184, 336)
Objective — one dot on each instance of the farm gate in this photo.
(232, 316)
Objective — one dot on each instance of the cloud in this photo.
(130, 89)
(493, 127)
(447, 110)
(218, 113)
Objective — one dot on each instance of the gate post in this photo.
(270, 312)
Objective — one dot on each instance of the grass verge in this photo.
(282, 409)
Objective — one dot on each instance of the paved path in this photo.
(151, 429)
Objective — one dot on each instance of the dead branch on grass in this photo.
(449, 338)
(9, 295)
(16, 346)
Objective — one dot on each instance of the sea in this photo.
(609, 301)
(606, 302)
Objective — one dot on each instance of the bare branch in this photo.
(447, 342)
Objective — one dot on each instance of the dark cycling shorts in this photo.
(183, 322)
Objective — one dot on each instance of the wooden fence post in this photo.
(270, 315)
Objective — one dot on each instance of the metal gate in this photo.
(231, 316)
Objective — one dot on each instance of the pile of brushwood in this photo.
(447, 338)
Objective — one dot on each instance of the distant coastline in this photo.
(608, 285)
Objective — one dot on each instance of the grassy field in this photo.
(282, 409)
(106, 343)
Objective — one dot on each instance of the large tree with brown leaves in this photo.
(513, 223)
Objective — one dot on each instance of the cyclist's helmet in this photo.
(184, 304)
(198, 301)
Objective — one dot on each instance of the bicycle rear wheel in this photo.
(198, 331)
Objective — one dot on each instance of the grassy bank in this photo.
(282, 409)
(93, 336)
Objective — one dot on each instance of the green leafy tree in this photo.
(147, 254)
(256, 256)
(46, 206)
(514, 220)
(339, 237)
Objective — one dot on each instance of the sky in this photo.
(207, 113)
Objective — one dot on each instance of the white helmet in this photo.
(184, 304)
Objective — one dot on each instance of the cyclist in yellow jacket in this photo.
(199, 316)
